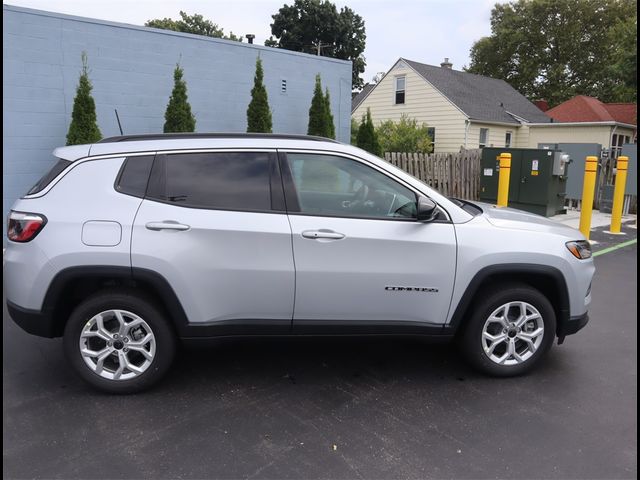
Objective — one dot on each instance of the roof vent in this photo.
(446, 63)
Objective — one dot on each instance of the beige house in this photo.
(465, 110)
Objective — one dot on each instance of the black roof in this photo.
(479, 97)
(172, 136)
(359, 97)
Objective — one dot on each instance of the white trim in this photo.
(489, 122)
(583, 124)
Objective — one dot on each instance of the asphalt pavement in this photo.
(338, 409)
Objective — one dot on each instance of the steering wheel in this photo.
(361, 195)
(359, 198)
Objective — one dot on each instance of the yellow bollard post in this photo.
(588, 192)
(503, 179)
(618, 193)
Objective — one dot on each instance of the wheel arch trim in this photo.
(521, 271)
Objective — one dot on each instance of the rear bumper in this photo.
(572, 325)
(32, 321)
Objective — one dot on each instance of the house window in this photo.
(484, 137)
(400, 89)
(431, 131)
(616, 145)
(507, 139)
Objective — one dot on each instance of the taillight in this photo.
(23, 227)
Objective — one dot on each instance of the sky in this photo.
(425, 31)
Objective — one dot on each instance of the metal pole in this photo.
(588, 193)
(618, 193)
(503, 179)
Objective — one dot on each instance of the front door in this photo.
(361, 257)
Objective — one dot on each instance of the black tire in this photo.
(487, 301)
(165, 340)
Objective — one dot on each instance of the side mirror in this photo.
(427, 210)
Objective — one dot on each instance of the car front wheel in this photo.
(510, 330)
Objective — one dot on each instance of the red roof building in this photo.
(588, 109)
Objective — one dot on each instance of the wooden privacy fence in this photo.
(451, 174)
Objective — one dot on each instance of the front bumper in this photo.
(571, 326)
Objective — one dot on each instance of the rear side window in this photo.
(134, 175)
(49, 176)
(221, 180)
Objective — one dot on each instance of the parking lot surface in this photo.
(348, 408)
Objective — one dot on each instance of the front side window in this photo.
(220, 180)
(336, 186)
(400, 90)
(507, 139)
(484, 136)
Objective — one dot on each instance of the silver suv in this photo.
(128, 245)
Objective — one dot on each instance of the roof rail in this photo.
(172, 136)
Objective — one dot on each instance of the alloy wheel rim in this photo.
(513, 333)
(117, 345)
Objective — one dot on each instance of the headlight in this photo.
(580, 248)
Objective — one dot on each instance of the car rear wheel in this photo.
(119, 343)
(510, 330)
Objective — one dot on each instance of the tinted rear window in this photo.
(49, 176)
(229, 180)
(134, 175)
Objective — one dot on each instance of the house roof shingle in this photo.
(359, 97)
(588, 109)
(479, 97)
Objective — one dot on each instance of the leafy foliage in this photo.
(331, 128)
(318, 117)
(178, 116)
(624, 67)
(258, 112)
(195, 24)
(354, 131)
(84, 127)
(404, 136)
(314, 26)
(367, 138)
(554, 50)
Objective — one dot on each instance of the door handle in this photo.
(167, 225)
(322, 233)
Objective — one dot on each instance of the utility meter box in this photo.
(537, 183)
(560, 161)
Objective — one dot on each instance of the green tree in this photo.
(318, 124)
(258, 112)
(178, 116)
(331, 127)
(367, 138)
(354, 131)
(554, 50)
(84, 127)
(316, 27)
(624, 67)
(404, 136)
(195, 24)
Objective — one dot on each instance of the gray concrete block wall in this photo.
(131, 69)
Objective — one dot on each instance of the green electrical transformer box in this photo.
(537, 183)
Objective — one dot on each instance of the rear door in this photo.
(362, 260)
(213, 224)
